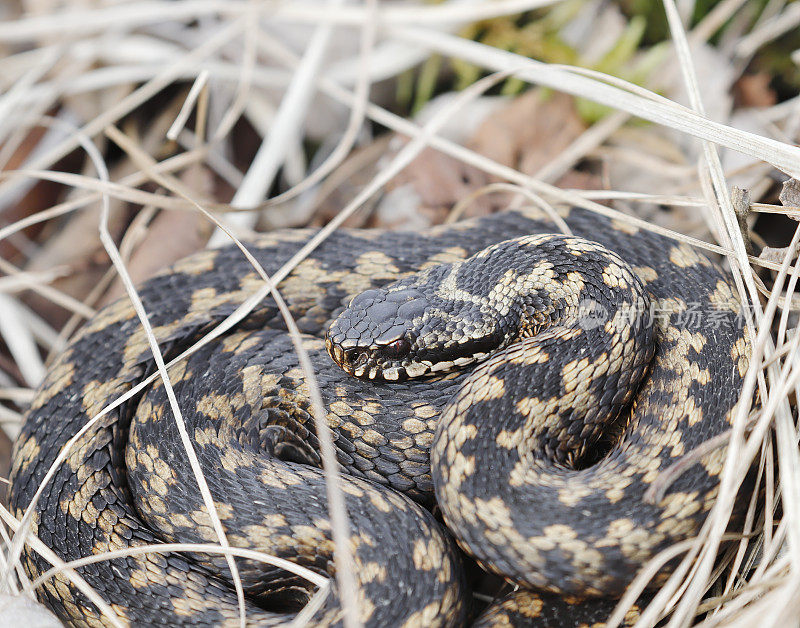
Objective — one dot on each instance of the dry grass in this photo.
(73, 78)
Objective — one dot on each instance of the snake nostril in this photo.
(352, 355)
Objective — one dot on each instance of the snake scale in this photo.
(539, 456)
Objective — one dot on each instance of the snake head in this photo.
(410, 329)
(374, 338)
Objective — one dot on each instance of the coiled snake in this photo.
(540, 461)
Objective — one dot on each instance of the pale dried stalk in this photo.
(136, 98)
(357, 111)
(343, 558)
(653, 108)
(20, 536)
(51, 557)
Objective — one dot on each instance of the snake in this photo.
(499, 392)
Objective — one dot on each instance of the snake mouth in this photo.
(355, 361)
(378, 362)
(394, 361)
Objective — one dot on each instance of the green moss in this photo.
(640, 50)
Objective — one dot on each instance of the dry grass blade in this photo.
(166, 548)
(20, 341)
(50, 556)
(284, 129)
(283, 132)
(357, 112)
(208, 500)
(186, 109)
(691, 599)
(340, 526)
(780, 155)
(141, 95)
(226, 54)
(538, 201)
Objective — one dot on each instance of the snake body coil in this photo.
(516, 451)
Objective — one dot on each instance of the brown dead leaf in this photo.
(525, 134)
(171, 236)
(41, 195)
(530, 132)
(74, 243)
(774, 254)
(438, 181)
(790, 193)
(579, 180)
(753, 90)
(335, 192)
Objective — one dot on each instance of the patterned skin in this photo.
(570, 524)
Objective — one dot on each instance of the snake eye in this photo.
(397, 349)
(353, 356)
